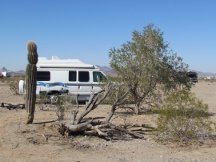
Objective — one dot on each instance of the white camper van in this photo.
(57, 76)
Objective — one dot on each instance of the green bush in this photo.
(183, 118)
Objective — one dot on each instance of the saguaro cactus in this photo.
(31, 74)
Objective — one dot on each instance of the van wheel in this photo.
(53, 99)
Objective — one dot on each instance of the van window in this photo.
(83, 76)
(98, 76)
(43, 76)
(72, 76)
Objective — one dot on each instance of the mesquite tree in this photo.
(31, 74)
(145, 64)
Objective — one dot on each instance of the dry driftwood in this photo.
(77, 123)
(93, 126)
(10, 106)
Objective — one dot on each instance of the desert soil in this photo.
(40, 142)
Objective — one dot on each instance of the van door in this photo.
(84, 83)
(72, 84)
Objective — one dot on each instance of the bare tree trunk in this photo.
(94, 101)
(111, 113)
(120, 100)
(136, 100)
(137, 108)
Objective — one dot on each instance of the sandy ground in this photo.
(40, 142)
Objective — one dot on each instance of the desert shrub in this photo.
(14, 84)
(42, 100)
(61, 103)
(2, 79)
(65, 103)
(183, 118)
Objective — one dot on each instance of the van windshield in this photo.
(98, 76)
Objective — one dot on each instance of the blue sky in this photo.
(88, 29)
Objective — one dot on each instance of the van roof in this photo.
(56, 62)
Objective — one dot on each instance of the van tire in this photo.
(53, 99)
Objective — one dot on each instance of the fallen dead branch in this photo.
(106, 131)
(10, 106)
(101, 127)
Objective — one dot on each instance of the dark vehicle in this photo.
(193, 76)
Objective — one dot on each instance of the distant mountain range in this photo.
(4, 69)
(13, 73)
(205, 74)
(107, 70)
